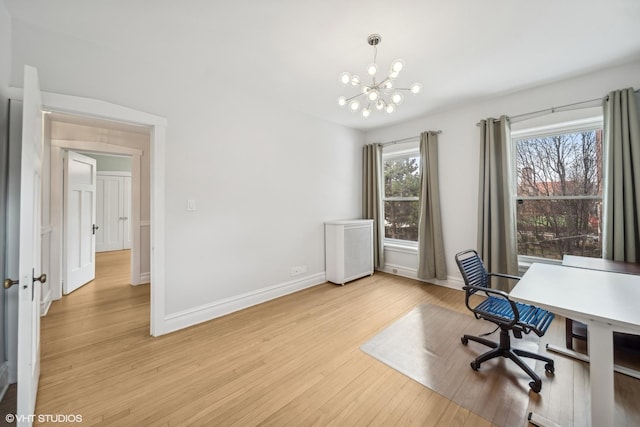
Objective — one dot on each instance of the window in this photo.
(401, 193)
(559, 191)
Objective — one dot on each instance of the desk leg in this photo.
(601, 374)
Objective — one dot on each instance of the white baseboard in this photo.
(45, 303)
(4, 379)
(203, 313)
(452, 282)
(144, 279)
(44, 307)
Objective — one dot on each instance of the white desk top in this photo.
(581, 294)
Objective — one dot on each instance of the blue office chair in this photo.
(507, 314)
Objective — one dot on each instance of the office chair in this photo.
(507, 314)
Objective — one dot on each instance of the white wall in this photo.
(459, 150)
(264, 179)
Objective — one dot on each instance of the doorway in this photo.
(90, 109)
(66, 134)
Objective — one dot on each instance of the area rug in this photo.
(425, 346)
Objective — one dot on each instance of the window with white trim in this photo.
(559, 190)
(401, 182)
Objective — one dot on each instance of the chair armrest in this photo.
(506, 276)
(515, 314)
(503, 294)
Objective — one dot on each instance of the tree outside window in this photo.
(401, 192)
(559, 194)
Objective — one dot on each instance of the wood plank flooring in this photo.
(292, 361)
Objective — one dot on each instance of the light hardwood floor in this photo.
(292, 361)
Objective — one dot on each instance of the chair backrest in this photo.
(472, 269)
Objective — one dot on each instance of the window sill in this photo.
(524, 262)
(404, 247)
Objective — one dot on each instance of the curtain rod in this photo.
(397, 141)
(567, 107)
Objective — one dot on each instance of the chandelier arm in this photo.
(353, 97)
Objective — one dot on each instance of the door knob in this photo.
(41, 279)
(9, 283)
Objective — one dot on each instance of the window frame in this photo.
(409, 151)
(572, 126)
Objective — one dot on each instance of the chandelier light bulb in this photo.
(388, 84)
(366, 112)
(372, 69)
(342, 101)
(415, 88)
(345, 78)
(390, 108)
(397, 65)
(354, 105)
(366, 89)
(396, 98)
(355, 80)
(372, 95)
(394, 74)
(380, 104)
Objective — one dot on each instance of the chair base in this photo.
(504, 349)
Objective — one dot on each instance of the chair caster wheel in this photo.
(464, 341)
(475, 366)
(549, 368)
(536, 386)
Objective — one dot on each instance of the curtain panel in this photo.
(431, 257)
(496, 208)
(372, 204)
(621, 198)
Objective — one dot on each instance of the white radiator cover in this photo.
(348, 250)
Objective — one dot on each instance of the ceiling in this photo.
(291, 52)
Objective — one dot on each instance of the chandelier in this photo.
(380, 94)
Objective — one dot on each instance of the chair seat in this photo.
(532, 317)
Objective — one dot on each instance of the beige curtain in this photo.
(431, 258)
(621, 219)
(372, 207)
(496, 208)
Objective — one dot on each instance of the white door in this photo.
(79, 220)
(30, 276)
(113, 212)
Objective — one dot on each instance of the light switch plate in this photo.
(191, 205)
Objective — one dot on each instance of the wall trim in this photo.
(212, 310)
(452, 282)
(113, 173)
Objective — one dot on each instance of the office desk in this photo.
(604, 300)
(579, 330)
